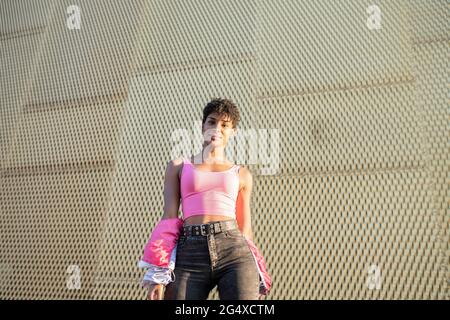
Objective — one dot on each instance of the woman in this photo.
(213, 244)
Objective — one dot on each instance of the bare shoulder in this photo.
(176, 162)
(245, 177)
(174, 167)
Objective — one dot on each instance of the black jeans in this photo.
(222, 259)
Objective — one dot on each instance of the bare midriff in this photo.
(205, 218)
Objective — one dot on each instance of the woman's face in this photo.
(217, 130)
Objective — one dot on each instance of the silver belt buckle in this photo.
(217, 227)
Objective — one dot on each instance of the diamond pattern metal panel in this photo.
(355, 118)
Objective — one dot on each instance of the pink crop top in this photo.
(207, 192)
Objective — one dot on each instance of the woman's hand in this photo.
(156, 292)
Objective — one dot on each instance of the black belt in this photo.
(209, 228)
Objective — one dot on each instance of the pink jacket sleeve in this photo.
(162, 241)
(265, 282)
(160, 252)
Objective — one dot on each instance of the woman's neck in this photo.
(213, 155)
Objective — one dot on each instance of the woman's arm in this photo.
(243, 214)
(243, 217)
(172, 189)
(171, 207)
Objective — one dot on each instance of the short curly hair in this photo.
(222, 107)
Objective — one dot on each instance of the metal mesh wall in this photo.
(88, 116)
